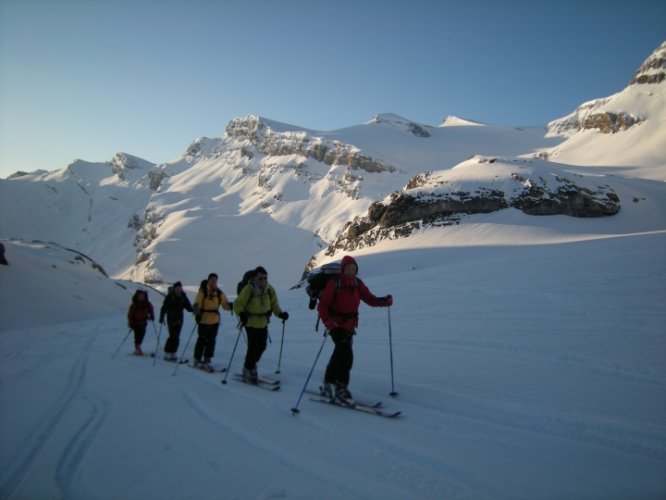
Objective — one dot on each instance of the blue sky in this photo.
(90, 78)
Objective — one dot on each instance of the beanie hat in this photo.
(260, 270)
(212, 275)
(177, 283)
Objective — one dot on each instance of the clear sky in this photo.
(90, 78)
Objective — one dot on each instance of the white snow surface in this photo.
(531, 365)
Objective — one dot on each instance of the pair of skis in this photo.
(207, 368)
(362, 406)
(262, 382)
(372, 408)
(270, 384)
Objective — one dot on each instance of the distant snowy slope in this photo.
(626, 130)
(46, 284)
(86, 206)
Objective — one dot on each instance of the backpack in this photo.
(245, 280)
(318, 279)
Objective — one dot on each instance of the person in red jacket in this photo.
(338, 310)
(140, 311)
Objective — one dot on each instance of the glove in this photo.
(388, 300)
(330, 324)
(284, 316)
(244, 316)
(152, 317)
(161, 320)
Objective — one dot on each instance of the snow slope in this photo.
(527, 367)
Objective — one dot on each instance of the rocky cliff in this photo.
(444, 197)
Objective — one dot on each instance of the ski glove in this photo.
(244, 316)
(284, 316)
(330, 324)
(388, 300)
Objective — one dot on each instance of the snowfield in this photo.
(522, 370)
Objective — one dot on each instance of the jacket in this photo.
(173, 306)
(207, 304)
(139, 312)
(341, 298)
(258, 303)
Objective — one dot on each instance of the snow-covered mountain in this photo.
(625, 130)
(226, 199)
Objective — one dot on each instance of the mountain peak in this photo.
(400, 123)
(653, 70)
(454, 121)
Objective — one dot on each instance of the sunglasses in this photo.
(262, 278)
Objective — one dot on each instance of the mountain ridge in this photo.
(311, 184)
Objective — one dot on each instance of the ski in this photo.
(144, 355)
(268, 381)
(358, 407)
(176, 360)
(358, 402)
(260, 383)
(208, 369)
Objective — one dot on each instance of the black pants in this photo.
(342, 359)
(172, 343)
(205, 346)
(256, 345)
(139, 334)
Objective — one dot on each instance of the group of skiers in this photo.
(256, 302)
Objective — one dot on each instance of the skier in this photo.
(172, 307)
(338, 310)
(254, 306)
(206, 304)
(140, 311)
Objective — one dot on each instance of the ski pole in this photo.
(295, 409)
(281, 344)
(157, 347)
(226, 373)
(121, 344)
(392, 393)
(182, 356)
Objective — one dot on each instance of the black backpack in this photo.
(318, 279)
(245, 280)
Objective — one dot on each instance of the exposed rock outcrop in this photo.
(653, 70)
(436, 199)
(273, 143)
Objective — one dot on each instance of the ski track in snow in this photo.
(73, 452)
(422, 475)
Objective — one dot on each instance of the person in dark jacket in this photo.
(254, 305)
(172, 307)
(338, 310)
(140, 311)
